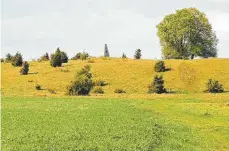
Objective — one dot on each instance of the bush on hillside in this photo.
(38, 87)
(64, 57)
(25, 69)
(119, 91)
(84, 56)
(8, 57)
(124, 56)
(77, 56)
(160, 66)
(2, 60)
(98, 90)
(214, 86)
(17, 60)
(45, 57)
(83, 83)
(157, 86)
(138, 54)
(56, 59)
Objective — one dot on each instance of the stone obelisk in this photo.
(106, 52)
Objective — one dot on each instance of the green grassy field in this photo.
(184, 122)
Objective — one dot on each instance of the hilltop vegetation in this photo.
(133, 76)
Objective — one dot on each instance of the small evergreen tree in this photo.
(138, 54)
(157, 86)
(64, 57)
(77, 56)
(8, 57)
(214, 86)
(25, 68)
(124, 55)
(56, 59)
(45, 57)
(160, 66)
(17, 60)
(83, 83)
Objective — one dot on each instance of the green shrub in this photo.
(157, 86)
(124, 56)
(25, 69)
(9, 57)
(64, 57)
(138, 54)
(98, 90)
(2, 60)
(45, 57)
(100, 83)
(17, 60)
(56, 59)
(160, 66)
(83, 83)
(84, 56)
(38, 87)
(119, 91)
(214, 86)
(77, 56)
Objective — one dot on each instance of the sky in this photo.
(34, 27)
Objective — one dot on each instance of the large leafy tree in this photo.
(187, 34)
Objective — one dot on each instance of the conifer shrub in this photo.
(38, 87)
(45, 57)
(98, 90)
(82, 84)
(160, 66)
(213, 86)
(64, 57)
(138, 54)
(77, 56)
(17, 60)
(9, 58)
(119, 91)
(56, 60)
(157, 85)
(124, 56)
(25, 69)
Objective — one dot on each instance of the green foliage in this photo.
(119, 91)
(214, 86)
(98, 90)
(83, 83)
(124, 55)
(38, 87)
(64, 57)
(17, 60)
(25, 68)
(138, 54)
(187, 34)
(84, 56)
(157, 86)
(160, 66)
(45, 57)
(56, 60)
(2, 60)
(9, 57)
(77, 56)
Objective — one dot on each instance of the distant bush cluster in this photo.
(81, 56)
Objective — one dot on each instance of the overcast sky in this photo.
(34, 27)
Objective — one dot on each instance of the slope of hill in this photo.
(133, 76)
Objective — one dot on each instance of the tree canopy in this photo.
(187, 34)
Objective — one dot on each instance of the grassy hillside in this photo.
(133, 76)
